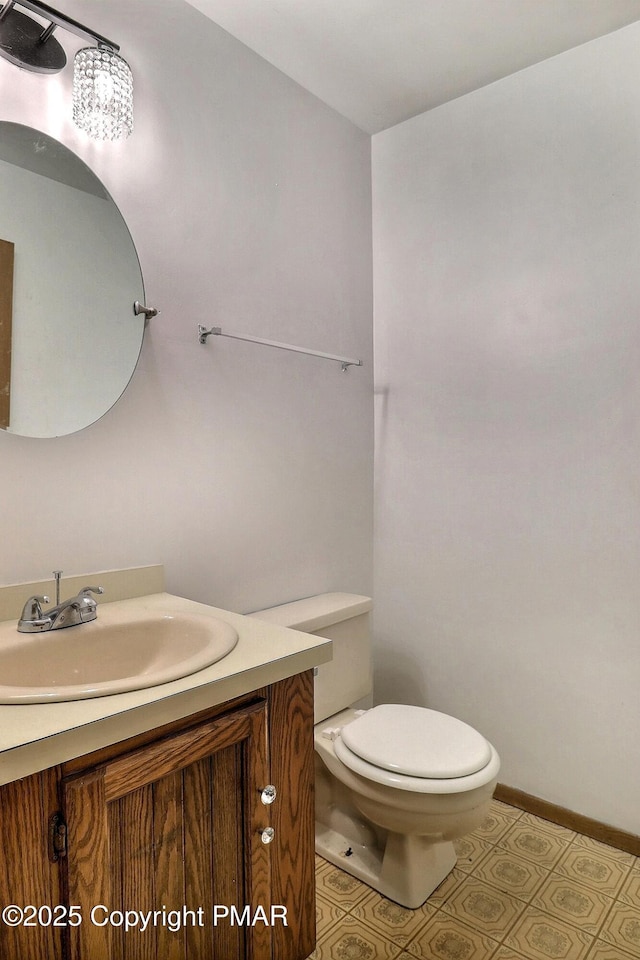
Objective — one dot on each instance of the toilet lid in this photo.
(416, 742)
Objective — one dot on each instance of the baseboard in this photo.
(612, 836)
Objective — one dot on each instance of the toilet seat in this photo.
(400, 781)
(417, 742)
(416, 749)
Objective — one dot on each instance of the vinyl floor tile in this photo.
(630, 892)
(511, 873)
(470, 851)
(447, 938)
(494, 825)
(622, 929)
(594, 870)
(603, 850)
(353, 940)
(485, 908)
(573, 902)
(340, 888)
(540, 936)
(497, 806)
(546, 826)
(606, 951)
(328, 915)
(442, 893)
(391, 920)
(534, 843)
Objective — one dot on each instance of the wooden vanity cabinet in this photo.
(171, 821)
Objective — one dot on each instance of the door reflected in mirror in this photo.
(69, 276)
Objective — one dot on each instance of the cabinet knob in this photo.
(267, 834)
(268, 794)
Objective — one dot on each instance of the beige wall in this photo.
(506, 250)
(246, 471)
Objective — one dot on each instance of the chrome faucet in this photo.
(79, 609)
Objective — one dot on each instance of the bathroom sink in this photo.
(109, 655)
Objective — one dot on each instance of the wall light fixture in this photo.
(102, 81)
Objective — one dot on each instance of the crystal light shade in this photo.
(102, 94)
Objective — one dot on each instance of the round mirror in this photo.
(69, 277)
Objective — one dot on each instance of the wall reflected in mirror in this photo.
(69, 339)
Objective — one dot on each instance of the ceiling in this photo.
(378, 62)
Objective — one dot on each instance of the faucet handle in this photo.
(32, 619)
(87, 606)
(32, 609)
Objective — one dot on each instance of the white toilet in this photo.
(395, 784)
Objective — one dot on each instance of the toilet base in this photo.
(406, 869)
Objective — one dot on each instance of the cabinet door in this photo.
(27, 877)
(173, 826)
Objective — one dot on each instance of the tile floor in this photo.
(523, 889)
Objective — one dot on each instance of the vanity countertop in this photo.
(36, 736)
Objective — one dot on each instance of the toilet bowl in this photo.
(407, 850)
(395, 784)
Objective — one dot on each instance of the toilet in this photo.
(395, 784)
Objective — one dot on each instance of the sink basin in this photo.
(108, 655)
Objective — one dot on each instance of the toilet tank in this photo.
(343, 618)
